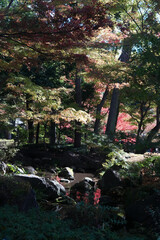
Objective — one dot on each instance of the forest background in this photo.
(74, 71)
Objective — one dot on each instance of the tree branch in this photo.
(131, 17)
(9, 5)
(142, 16)
(18, 34)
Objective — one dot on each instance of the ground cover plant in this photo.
(38, 225)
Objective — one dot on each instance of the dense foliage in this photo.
(47, 225)
(79, 82)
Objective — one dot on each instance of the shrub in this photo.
(150, 166)
(40, 225)
(100, 143)
(91, 215)
(116, 157)
(47, 225)
(6, 154)
(155, 215)
(155, 160)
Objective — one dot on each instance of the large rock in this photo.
(86, 185)
(90, 181)
(63, 180)
(28, 202)
(67, 173)
(110, 179)
(83, 190)
(17, 192)
(51, 188)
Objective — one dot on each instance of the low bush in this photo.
(100, 143)
(40, 225)
(150, 166)
(6, 154)
(91, 215)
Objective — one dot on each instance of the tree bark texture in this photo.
(52, 133)
(114, 106)
(143, 112)
(113, 114)
(30, 131)
(78, 99)
(157, 115)
(30, 121)
(126, 50)
(37, 133)
(78, 135)
(98, 111)
(154, 130)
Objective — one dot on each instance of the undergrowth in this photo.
(43, 225)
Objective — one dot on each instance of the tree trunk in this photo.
(157, 115)
(113, 114)
(126, 50)
(30, 122)
(143, 112)
(78, 99)
(152, 134)
(78, 135)
(140, 124)
(98, 111)
(30, 131)
(154, 130)
(148, 140)
(37, 133)
(52, 133)
(114, 106)
(45, 134)
(78, 93)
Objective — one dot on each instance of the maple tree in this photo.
(109, 71)
(145, 61)
(52, 29)
(29, 28)
(138, 20)
(146, 78)
(138, 102)
(38, 105)
(77, 34)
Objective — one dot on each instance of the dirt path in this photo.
(78, 177)
(132, 157)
